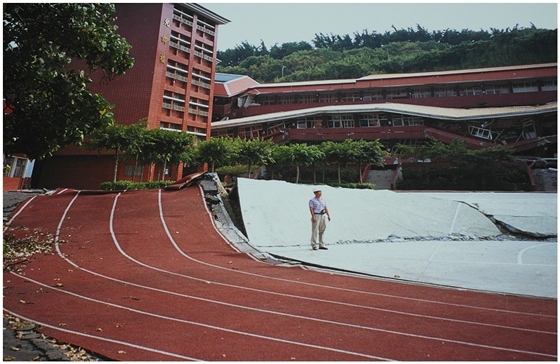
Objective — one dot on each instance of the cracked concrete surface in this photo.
(444, 238)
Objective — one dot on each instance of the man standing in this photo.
(318, 209)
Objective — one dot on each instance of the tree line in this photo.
(397, 51)
(482, 169)
(151, 146)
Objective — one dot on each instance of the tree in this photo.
(216, 151)
(47, 92)
(137, 141)
(336, 153)
(483, 168)
(363, 152)
(256, 151)
(112, 138)
(168, 147)
(299, 155)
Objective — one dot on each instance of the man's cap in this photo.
(316, 189)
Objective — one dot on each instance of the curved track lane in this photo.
(145, 275)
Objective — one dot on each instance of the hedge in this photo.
(129, 185)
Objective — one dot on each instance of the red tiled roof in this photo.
(234, 86)
(411, 79)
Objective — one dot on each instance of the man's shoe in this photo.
(323, 248)
(314, 248)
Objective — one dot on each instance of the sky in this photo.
(277, 23)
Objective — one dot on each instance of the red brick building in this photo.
(170, 85)
(514, 106)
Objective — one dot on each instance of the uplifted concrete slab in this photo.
(439, 238)
(276, 213)
(529, 213)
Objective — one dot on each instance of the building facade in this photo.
(514, 106)
(170, 86)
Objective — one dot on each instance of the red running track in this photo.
(144, 275)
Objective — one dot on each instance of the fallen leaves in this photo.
(22, 243)
(22, 329)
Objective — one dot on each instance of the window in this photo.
(177, 72)
(205, 29)
(480, 132)
(496, 89)
(180, 44)
(174, 102)
(340, 121)
(181, 18)
(369, 96)
(198, 106)
(407, 120)
(350, 96)
(371, 120)
(444, 92)
(520, 87)
(550, 85)
(397, 94)
(265, 100)
(169, 126)
(132, 170)
(421, 93)
(286, 100)
(328, 97)
(199, 132)
(250, 132)
(470, 91)
(201, 79)
(307, 98)
(204, 53)
(310, 122)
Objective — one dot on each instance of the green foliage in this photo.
(256, 151)
(47, 92)
(401, 50)
(146, 146)
(168, 147)
(129, 185)
(233, 171)
(217, 151)
(359, 186)
(455, 167)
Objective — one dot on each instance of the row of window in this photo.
(199, 132)
(330, 121)
(183, 19)
(330, 97)
(178, 72)
(364, 121)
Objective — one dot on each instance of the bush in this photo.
(362, 186)
(129, 185)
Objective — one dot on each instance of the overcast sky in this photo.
(277, 23)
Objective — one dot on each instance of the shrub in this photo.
(129, 185)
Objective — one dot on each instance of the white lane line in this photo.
(520, 255)
(115, 240)
(63, 217)
(112, 215)
(194, 323)
(19, 212)
(320, 285)
(454, 219)
(124, 343)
